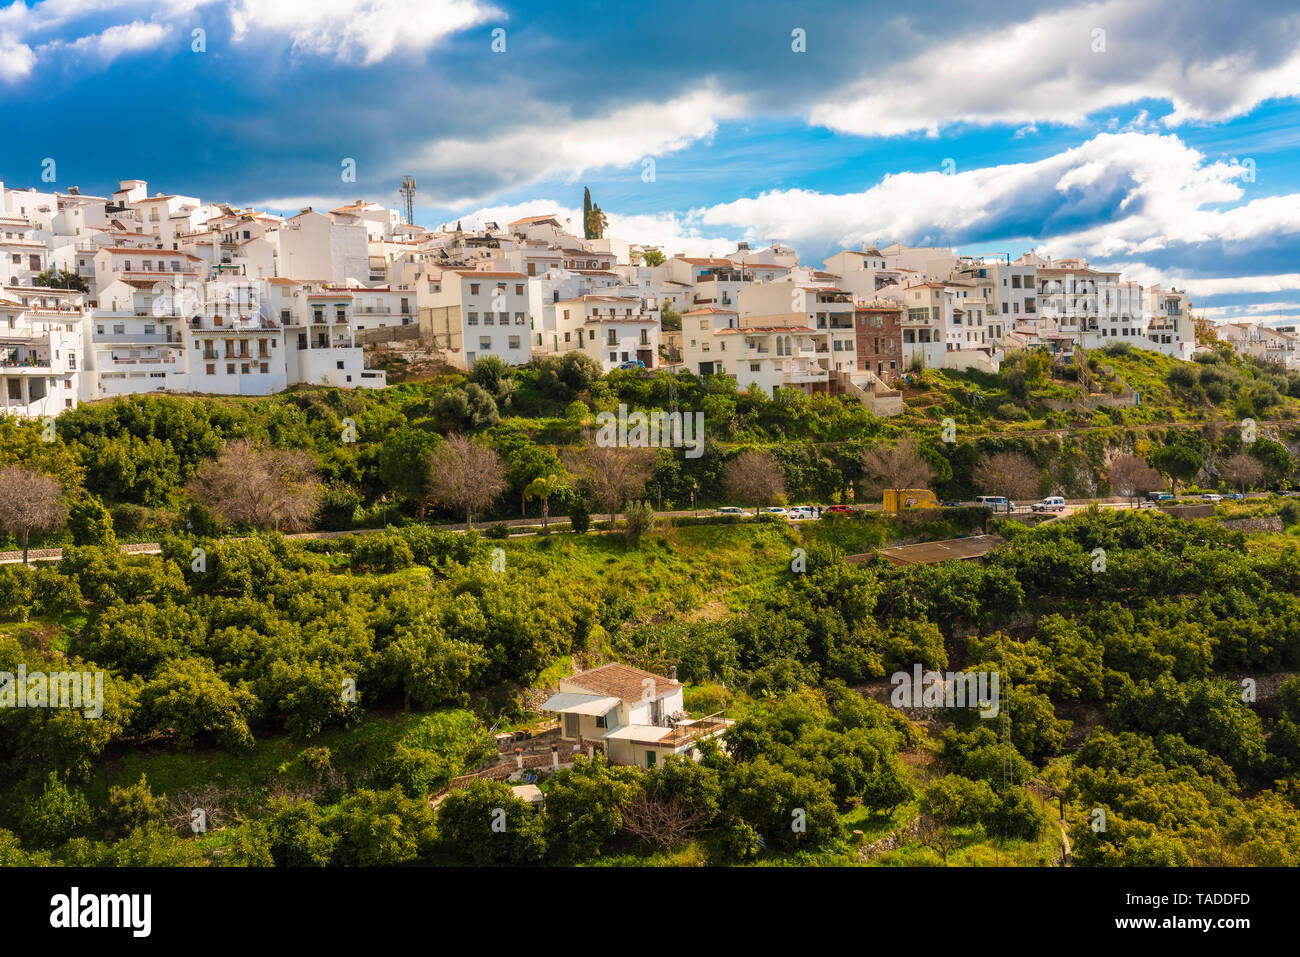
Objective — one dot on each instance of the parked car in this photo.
(1157, 498)
(1053, 503)
(731, 510)
(1234, 497)
(838, 510)
(634, 364)
(952, 504)
(1212, 497)
(802, 511)
(774, 510)
(998, 503)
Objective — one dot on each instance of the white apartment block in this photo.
(40, 344)
(614, 330)
(321, 246)
(376, 307)
(825, 309)
(1270, 343)
(766, 358)
(476, 313)
(549, 333)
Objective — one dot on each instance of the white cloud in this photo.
(1217, 286)
(1045, 70)
(25, 31)
(116, 41)
(16, 59)
(554, 143)
(1116, 195)
(364, 31)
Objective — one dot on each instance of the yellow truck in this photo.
(897, 499)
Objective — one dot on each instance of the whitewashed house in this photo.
(634, 716)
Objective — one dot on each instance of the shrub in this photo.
(1290, 512)
(382, 552)
(1011, 412)
(639, 518)
(498, 531)
(580, 517)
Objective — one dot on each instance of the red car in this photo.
(837, 510)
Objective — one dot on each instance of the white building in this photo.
(40, 346)
(477, 313)
(634, 716)
(614, 330)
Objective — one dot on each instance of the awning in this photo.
(641, 733)
(570, 703)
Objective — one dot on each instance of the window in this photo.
(512, 342)
(471, 318)
(339, 364)
(119, 328)
(230, 368)
(473, 289)
(519, 289)
(485, 344)
(613, 357)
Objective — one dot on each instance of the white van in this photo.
(1053, 503)
(998, 503)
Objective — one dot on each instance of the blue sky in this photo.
(1160, 137)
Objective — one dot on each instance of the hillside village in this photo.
(131, 293)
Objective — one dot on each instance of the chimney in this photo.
(555, 757)
(672, 672)
(519, 758)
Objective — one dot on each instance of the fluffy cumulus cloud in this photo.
(360, 31)
(1116, 195)
(364, 32)
(1210, 60)
(121, 40)
(626, 135)
(52, 30)
(16, 58)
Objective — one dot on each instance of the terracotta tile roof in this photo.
(622, 681)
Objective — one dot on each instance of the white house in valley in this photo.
(634, 716)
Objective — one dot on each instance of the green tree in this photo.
(543, 487)
(91, 523)
(191, 699)
(403, 464)
(56, 814)
(1178, 462)
(60, 279)
(584, 806)
(484, 823)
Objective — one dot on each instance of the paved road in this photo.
(154, 548)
